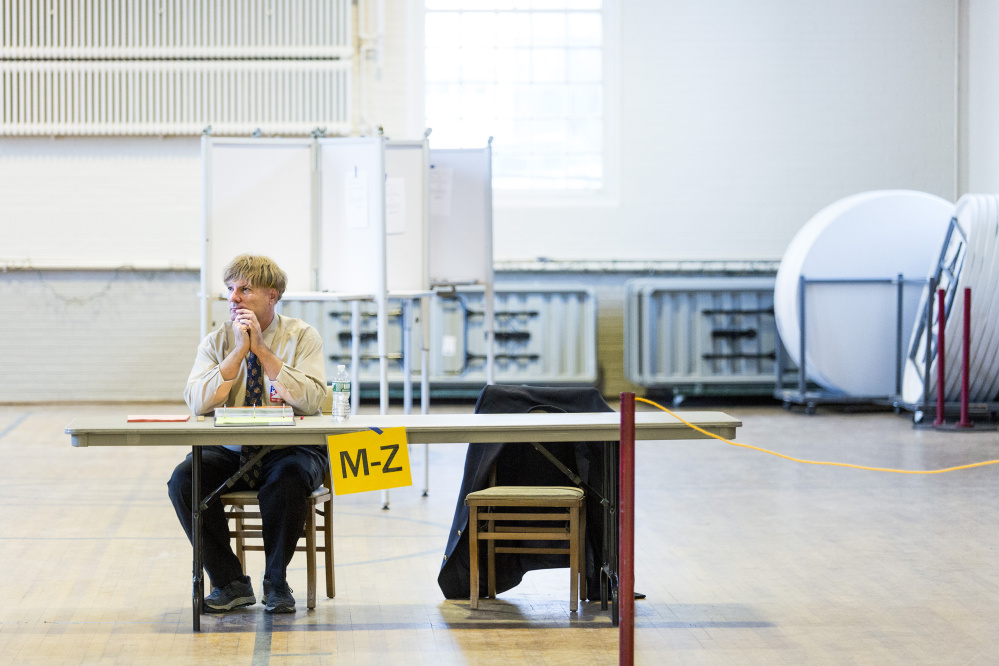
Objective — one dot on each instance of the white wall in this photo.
(739, 120)
(97, 335)
(101, 202)
(980, 96)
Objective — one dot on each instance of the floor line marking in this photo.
(262, 640)
(14, 424)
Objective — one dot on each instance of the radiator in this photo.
(99, 29)
(173, 67)
(544, 335)
(697, 335)
(163, 97)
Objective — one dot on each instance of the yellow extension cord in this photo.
(815, 462)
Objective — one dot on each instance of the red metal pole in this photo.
(965, 354)
(941, 356)
(626, 532)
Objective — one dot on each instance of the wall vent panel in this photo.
(701, 335)
(172, 67)
(171, 98)
(103, 29)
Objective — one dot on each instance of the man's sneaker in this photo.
(236, 594)
(266, 585)
(277, 598)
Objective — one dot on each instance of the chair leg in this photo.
(237, 514)
(582, 552)
(574, 559)
(473, 556)
(328, 543)
(310, 555)
(491, 562)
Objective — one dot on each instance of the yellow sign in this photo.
(373, 459)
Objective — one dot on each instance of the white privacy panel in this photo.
(258, 200)
(406, 165)
(461, 215)
(352, 219)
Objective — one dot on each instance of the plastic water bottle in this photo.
(341, 394)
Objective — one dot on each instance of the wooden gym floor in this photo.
(745, 558)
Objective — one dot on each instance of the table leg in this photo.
(608, 573)
(198, 588)
(626, 557)
(606, 540)
(614, 495)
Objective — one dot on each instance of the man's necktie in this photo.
(254, 396)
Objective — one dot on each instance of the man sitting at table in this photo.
(232, 368)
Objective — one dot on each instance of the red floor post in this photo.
(626, 529)
(965, 354)
(941, 356)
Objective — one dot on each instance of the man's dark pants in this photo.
(289, 476)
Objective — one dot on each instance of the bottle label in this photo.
(341, 387)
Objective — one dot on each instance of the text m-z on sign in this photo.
(373, 459)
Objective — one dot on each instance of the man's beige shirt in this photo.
(296, 343)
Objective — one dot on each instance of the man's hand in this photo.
(229, 367)
(245, 325)
(242, 335)
(283, 392)
(242, 327)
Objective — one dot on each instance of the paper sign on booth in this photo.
(373, 459)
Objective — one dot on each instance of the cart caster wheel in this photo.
(917, 416)
(678, 399)
(810, 408)
(787, 406)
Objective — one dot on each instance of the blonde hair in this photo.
(257, 271)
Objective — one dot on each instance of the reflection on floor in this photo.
(745, 558)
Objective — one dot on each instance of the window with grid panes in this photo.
(529, 73)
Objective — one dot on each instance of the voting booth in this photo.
(351, 221)
(315, 206)
(461, 227)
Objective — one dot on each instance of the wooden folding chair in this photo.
(487, 523)
(243, 509)
(240, 510)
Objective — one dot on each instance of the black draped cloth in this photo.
(520, 464)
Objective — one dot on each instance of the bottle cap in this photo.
(341, 368)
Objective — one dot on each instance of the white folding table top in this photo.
(420, 429)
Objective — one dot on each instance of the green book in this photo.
(254, 416)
